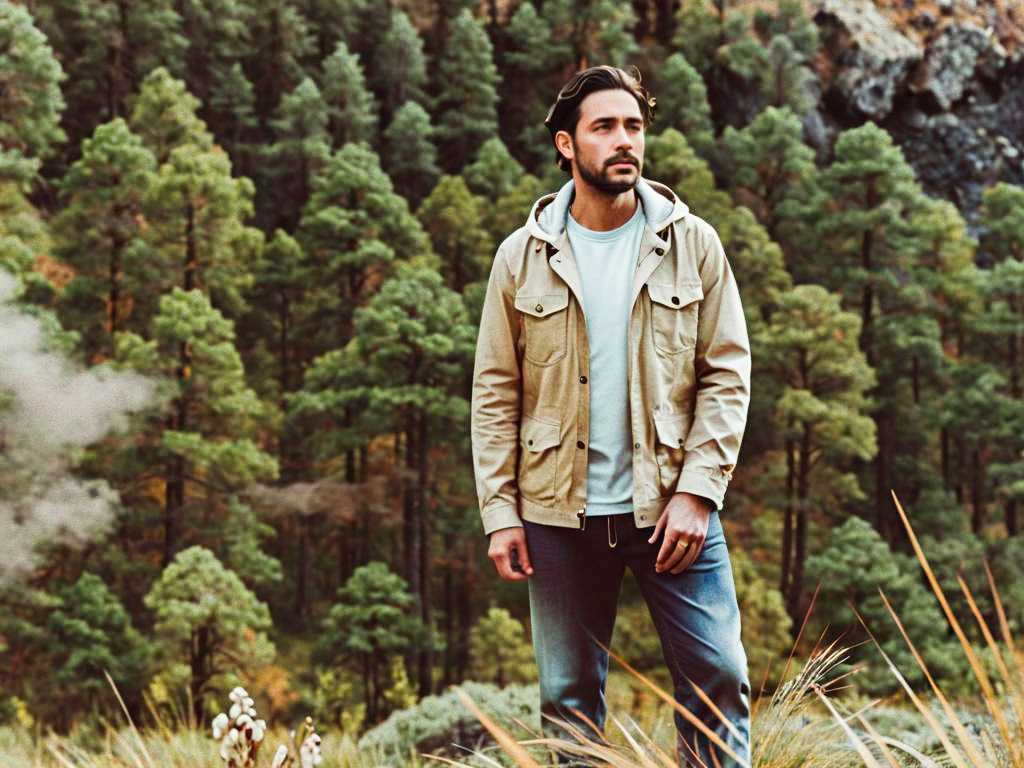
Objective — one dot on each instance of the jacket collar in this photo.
(547, 218)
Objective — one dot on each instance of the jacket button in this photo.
(675, 299)
(583, 379)
(660, 251)
(540, 308)
(538, 248)
(529, 442)
(636, 446)
(579, 444)
(680, 441)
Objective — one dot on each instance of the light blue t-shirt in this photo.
(606, 262)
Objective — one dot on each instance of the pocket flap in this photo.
(539, 436)
(672, 430)
(542, 305)
(676, 296)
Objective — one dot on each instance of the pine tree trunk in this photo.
(803, 503)
(977, 492)
(787, 521)
(425, 662)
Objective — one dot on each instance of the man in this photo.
(609, 399)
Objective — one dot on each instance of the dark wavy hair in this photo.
(565, 112)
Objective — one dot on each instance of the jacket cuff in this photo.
(500, 515)
(702, 482)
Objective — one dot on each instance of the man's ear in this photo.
(563, 143)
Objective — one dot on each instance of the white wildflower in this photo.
(220, 725)
(233, 736)
(309, 752)
(280, 756)
(235, 711)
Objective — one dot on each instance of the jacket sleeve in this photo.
(722, 367)
(496, 403)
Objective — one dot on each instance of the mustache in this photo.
(622, 157)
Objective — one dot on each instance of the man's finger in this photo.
(658, 528)
(690, 557)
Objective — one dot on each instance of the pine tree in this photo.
(196, 211)
(278, 42)
(810, 347)
(30, 98)
(453, 220)
(106, 46)
(353, 227)
(208, 619)
(409, 154)
(499, 651)
(372, 621)
(100, 235)
(467, 93)
(597, 31)
(852, 569)
(412, 346)
(353, 115)
(299, 152)
(399, 71)
(164, 115)
(205, 445)
(683, 104)
(769, 161)
(531, 55)
(233, 111)
(494, 172)
(89, 634)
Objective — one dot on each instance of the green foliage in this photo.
(453, 219)
(91, 633)
(438, 720)
(207, 618)
(100, 234)
(769, 162)
(300, 151)
(196, 211)
(371, 622)
(243, 539)
(354, 227)
(852, 569)
(683, 104)
(468, 80)
(1003, 222)
(494, 172)
(410, 156)
(164, 115)
(499, 651)
(30, 98)
(399, 67)
(350, 105)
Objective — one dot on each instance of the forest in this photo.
(243, 251)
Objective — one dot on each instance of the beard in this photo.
(599, 178)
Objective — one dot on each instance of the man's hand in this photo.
(507, 549)
(685, 523)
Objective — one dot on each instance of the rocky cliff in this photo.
(945, 79)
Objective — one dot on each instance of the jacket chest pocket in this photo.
(674, 313)
(545, 326)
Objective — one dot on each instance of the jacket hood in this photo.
(547, 218)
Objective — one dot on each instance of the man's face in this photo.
(607, 149)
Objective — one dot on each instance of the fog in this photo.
(50, 410)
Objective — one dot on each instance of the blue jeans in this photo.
(574, 591)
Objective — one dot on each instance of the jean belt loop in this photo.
(613, 536)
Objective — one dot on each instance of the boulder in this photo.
(945, 74)
(872, 56)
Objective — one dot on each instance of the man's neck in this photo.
(601, 212)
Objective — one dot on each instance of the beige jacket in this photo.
(689, 369)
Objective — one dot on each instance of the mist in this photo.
(50, 410)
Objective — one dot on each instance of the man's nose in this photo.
(622, 138)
